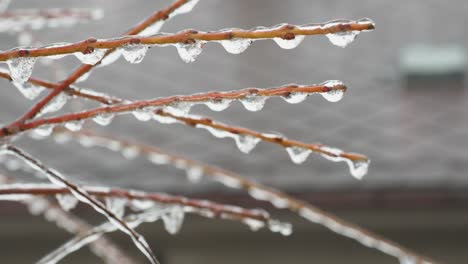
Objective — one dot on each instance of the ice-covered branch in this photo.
(82, 195)
(35, 19)
(196, 170)
(102, 247)
(22, 67)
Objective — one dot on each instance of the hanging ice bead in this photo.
(74, 125)
(342, 39)
(21, 68)
(194, 174)
(92, 57)
(55, 104)
(289, 43)
(297, 154)
(173, 219)
(278, 227)
(134, 53)
(218, 104)
(246, 143)
(158, 159)
(44, 130)
(103, 119)
(253, 102)
(189, 52)
(130, 152)
(143, 114)
(179, 108)
(253, 224)
(357, 168)
(164, 119)
(66, 201)
(295, 97)
(29, 90)
(236, 45)
(334, 95)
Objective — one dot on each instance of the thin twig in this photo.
(286, 32)
(261, 192)
(83, 196)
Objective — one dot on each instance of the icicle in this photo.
(334, 95)
(103, 119)
(130, 152)
(179, 108)
(91, 58)
(116, 205)
(143, 114)
(295, 97)
(173, 219)
(253, 102)
(218, 104)
(158, 159)
(134, 53)
(67, 201)
(289, 43)
(74, 125)
(246, 143)
(189, 52)
(278, 227)
(185, 8)
(44, 130)
(236, 45)
(55, 104)
(29, 90)
(342, 39)
(358, 168)
(297, 154)
(21, 68)
(194, 174)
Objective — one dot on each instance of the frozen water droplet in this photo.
(152, 29)
(173, 219)
(218, 104)
(130, 152)
(334, 95)
(55, 104)
(62, 138)
(21, 68)
(91, 58)
(342, 39)
(158, 159)
(253, 102)
(44, 130)
(189, 52)
(246, 143)
(228, 181)
(179, 108)
(110, 58)
(295, 98)
(236, 46)
(29, 90)
(289, 43)
(311, 215)
(279, 202)
(103, 119)
(357, 168)
(297, 154)
(67, 201)
(253, 224)
(134, 53)
(279, 227)
(259, 194)
(194, 174)
(86, 141)
(74, 125)
(141, 205)
(164, 119)
(116, 205)
(143, 114)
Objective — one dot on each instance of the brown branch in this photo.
(201, 206)
(157, 16)
(258, 191)
(286, 32)
(83, 196)
(102, 247)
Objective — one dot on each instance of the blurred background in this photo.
(406, 108)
